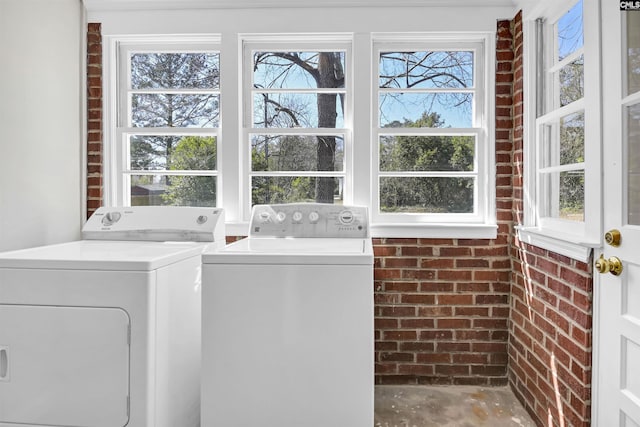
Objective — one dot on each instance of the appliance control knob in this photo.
(281, 216)
(346, 217)
(314, 217)
(111, 218)
(297, 217)
(264, 216)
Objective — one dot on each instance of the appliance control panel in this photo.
(156, 223)
(309, 220)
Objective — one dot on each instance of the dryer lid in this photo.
(103, 255)
(156, 223)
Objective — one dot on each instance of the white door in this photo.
(617, 298)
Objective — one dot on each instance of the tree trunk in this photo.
(327, 113)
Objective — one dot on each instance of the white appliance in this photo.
(105, 331)
(287, 332)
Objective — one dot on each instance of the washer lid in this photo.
(102, 255)
(323, 251)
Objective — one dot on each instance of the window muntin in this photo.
(289, 174)
(430, 133)
(169, 132)
(300, 95)
(561, 127)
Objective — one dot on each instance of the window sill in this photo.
(562, 244)
(437, 231)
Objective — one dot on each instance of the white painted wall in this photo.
(40, 122)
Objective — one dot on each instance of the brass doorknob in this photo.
(613, 237)
(612, 265)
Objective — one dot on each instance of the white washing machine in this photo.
(288, 321)
(105, 331)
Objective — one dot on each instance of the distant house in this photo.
(148, 194)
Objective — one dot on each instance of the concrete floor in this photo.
(448, 406)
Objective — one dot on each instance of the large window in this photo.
(560, 125)
(562, 192)
(168, 121)
(297, 124)
(401, 123)
(431, 132)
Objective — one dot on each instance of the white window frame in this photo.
(570, 238)
(118, 171)
(298, 43)
(233, 190)
(480, 223)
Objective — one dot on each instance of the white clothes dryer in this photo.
(105, 331)
(288, 321)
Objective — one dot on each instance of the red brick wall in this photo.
(551, 310)
(94, 117)
(550, 345)
(442, 305)
(441, 311)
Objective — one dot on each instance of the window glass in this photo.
(422, 92)
(175, 190)
(427, 194)
(563, 141)
(293, 152)
(298, 70)
(421, 153)
(292, 189)
(295, 91)
(174, 110)
(561, 161)
(427, 153)
(297, 110)
(570, 36)
(165, 152)
(169, 137)
(431, 69)
(175, 71)
(408, 109)
(633, 153)
(571, 80)
(567, 195)
(633, 52)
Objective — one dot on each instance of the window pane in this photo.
(633, 52)
(426, 110)
(570, 35)
(633, 154)
(563, 141)
(175, 110)
(565, 191)
(159, 190)
(175, 71)
(571, 80)
(293, 110)
(164, 152)
(427, 153)
(286, 189)
(404, 70)
(297, 153)
(298, 70)
(572, 195)
(427, 194)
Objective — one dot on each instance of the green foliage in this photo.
(193, 153)
(403, 153)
